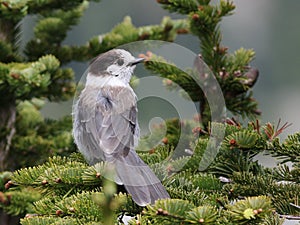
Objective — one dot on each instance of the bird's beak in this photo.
(136, 61)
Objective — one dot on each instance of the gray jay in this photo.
(105, 125)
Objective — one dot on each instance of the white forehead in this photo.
(125, 54)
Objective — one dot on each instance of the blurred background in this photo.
(270, 27)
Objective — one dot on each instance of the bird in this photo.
(105, 125)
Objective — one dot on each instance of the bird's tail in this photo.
(139, 180)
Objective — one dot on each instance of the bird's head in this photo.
(118, 64)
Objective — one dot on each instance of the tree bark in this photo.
(6, 219)
(7, 131)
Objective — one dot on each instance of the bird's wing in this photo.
(84, 126)
(105, 122)
(116, 120)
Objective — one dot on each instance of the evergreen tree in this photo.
(28, 78)
(64, 189)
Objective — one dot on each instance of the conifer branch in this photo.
(66, 190)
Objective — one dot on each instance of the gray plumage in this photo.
(105, 125)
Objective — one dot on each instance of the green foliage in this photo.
(195, 187)
(283, 194)
(19, 202)
(242, 140)
(54, 221)
(169, 211)
(289, 150)
(234, 161)
(229, 162)
(123, 33)
(176, 211)
(272, 219)
(251, 210)
(239, 58)
(179, 134)
(240, 145)
(83, 208)
(4, 178)
(203, 214)
(70, 189)
(180, 6)
(39, 138)
(230, 69)
(75, 205)
(195, 159)
(174, 75)
(156, 155)
(69, 183)
(283, 172)
(42, 78)
(65, 190)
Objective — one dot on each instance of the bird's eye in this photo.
(120, 62)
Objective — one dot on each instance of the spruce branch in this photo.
(65, 190)
(251, 210)
(19, 202)
(230, 69)
(71, 189)
(123, 33)
(282, 194)
(180, 6)
(39, 79)
(288, 150)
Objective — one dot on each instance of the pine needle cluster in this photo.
(61, 188)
